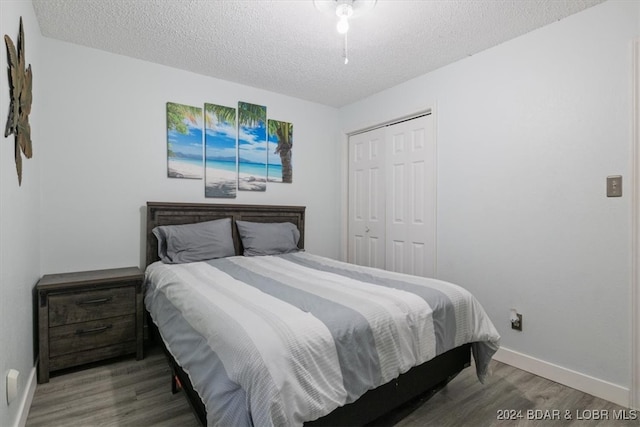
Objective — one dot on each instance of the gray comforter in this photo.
(280, 340)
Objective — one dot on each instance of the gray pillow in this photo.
(268, 238)
(194, 242)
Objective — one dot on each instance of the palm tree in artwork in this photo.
(284, 132)
(176, 115)
(254, 117)
(219, 113)
(251, 114)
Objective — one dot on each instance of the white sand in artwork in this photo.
(215, 176)
(220, 183)
(178, 169)
(252, 184)
(224, 179)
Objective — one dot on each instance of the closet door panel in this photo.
(410, 230)
(366, 241)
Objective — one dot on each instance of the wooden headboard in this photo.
(159, 213)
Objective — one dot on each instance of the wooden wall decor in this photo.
(20, 81)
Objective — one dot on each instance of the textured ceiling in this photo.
(290, 47)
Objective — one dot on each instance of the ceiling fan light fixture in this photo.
(356, 8)
(344, 11)
(343, 25)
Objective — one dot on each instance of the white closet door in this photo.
(366, 223)
(410, 159)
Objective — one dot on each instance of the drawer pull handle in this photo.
(95, 301)
(93, 330)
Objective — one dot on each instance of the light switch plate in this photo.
(614, 186)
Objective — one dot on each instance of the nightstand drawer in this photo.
(90, 335)
(92, 305)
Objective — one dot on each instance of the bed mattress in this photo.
(284, 339)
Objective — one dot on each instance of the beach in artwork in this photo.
(220, 183)
(184, 168)
(251, 183)
(252, 147)
(221, 179)
(252, 176)
(275, 173)
(184, 141)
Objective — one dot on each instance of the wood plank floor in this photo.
(138, 393)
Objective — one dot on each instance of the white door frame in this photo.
(634, 395)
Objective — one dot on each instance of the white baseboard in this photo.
(593, 386)
(27, 399)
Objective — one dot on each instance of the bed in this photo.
(291, 338)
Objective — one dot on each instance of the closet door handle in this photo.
(366, 229)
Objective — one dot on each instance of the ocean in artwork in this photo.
(181, 167)
(274, 173)
(221, 176)
(252, 176)
(252, 147)
(184, 141)
(227, 166)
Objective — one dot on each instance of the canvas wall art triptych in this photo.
(231, 149)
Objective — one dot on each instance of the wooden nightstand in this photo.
(88, 316)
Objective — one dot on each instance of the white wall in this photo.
(19, 218)
(527, 133)
(105, 155)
